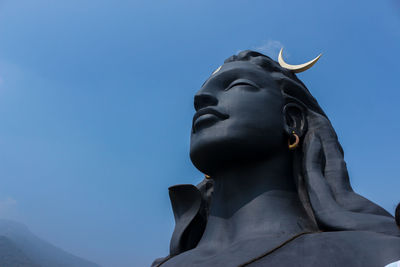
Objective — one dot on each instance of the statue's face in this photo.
(238, 118)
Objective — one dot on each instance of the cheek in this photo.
(260, 115)
(259, 130)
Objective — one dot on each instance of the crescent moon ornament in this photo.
(297, 68)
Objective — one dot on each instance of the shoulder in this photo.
(341, 248)
(353, 237)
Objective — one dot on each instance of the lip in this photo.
(207, 114)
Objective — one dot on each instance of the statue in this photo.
(277, 191)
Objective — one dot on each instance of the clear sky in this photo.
(96, 102)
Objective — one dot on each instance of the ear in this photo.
(294, 119)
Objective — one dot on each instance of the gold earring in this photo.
(207, 176)
(296, 142)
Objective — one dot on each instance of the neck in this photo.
(252, 200)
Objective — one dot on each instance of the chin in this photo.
(207, 155)
(212, 153)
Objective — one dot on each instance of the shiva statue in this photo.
(276, 190)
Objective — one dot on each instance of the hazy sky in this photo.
(96, 102)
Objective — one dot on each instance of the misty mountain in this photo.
(17, 242)
(11, 256)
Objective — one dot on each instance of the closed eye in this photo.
(242, 82)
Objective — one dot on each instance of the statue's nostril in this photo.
(204, 100)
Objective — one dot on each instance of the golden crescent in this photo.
(296, 68)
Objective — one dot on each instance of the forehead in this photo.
(241, 69)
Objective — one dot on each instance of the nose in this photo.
(203, 100)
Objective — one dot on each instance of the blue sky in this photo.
(96, 105)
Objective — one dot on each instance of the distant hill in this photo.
(20, 246)
(11, 256)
